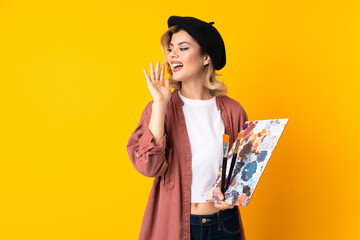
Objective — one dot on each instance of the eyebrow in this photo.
(170, 44)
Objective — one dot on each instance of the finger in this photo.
(227, 206)
(222, 205)
(157, 70)
(157, 73)
(152, 74)
(146, 76)
(162, 74)
(147, 79)
(218, 193)
(219, 206)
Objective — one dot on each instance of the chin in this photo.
(176, 78)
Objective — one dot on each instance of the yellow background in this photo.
(72, 90)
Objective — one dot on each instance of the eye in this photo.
(182, 49)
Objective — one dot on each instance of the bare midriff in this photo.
(203, 208)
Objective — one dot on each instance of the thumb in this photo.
(219, 193)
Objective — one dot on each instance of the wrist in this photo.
(159, 104)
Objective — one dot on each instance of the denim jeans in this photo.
(209, 227)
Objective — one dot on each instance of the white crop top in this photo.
(205, 130)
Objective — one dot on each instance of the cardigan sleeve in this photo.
(147, 158)
(243, 118)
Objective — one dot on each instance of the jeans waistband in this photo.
(212, 218)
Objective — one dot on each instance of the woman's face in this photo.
(185, 51)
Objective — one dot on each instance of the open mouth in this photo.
(177, 67)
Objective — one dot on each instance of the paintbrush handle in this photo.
(233, 160)
(223, 173)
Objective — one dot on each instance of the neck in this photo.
(195, 90)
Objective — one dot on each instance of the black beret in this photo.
(206, 35)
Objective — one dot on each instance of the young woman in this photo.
(178, 139)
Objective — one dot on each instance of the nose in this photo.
(173, 53)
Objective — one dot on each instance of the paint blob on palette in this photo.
(258, 141)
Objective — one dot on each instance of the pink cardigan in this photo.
(167, 214)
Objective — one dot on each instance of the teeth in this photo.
(176, 65)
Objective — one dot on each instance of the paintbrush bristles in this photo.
(239, 136)
(237, 144)
(226, 138)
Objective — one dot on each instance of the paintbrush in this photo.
(233, 160)
(224, 163)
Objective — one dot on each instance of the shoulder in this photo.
(235, 111)
(232, 105)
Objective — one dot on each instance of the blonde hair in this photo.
(209, 81)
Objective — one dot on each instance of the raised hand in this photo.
(159, 89)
